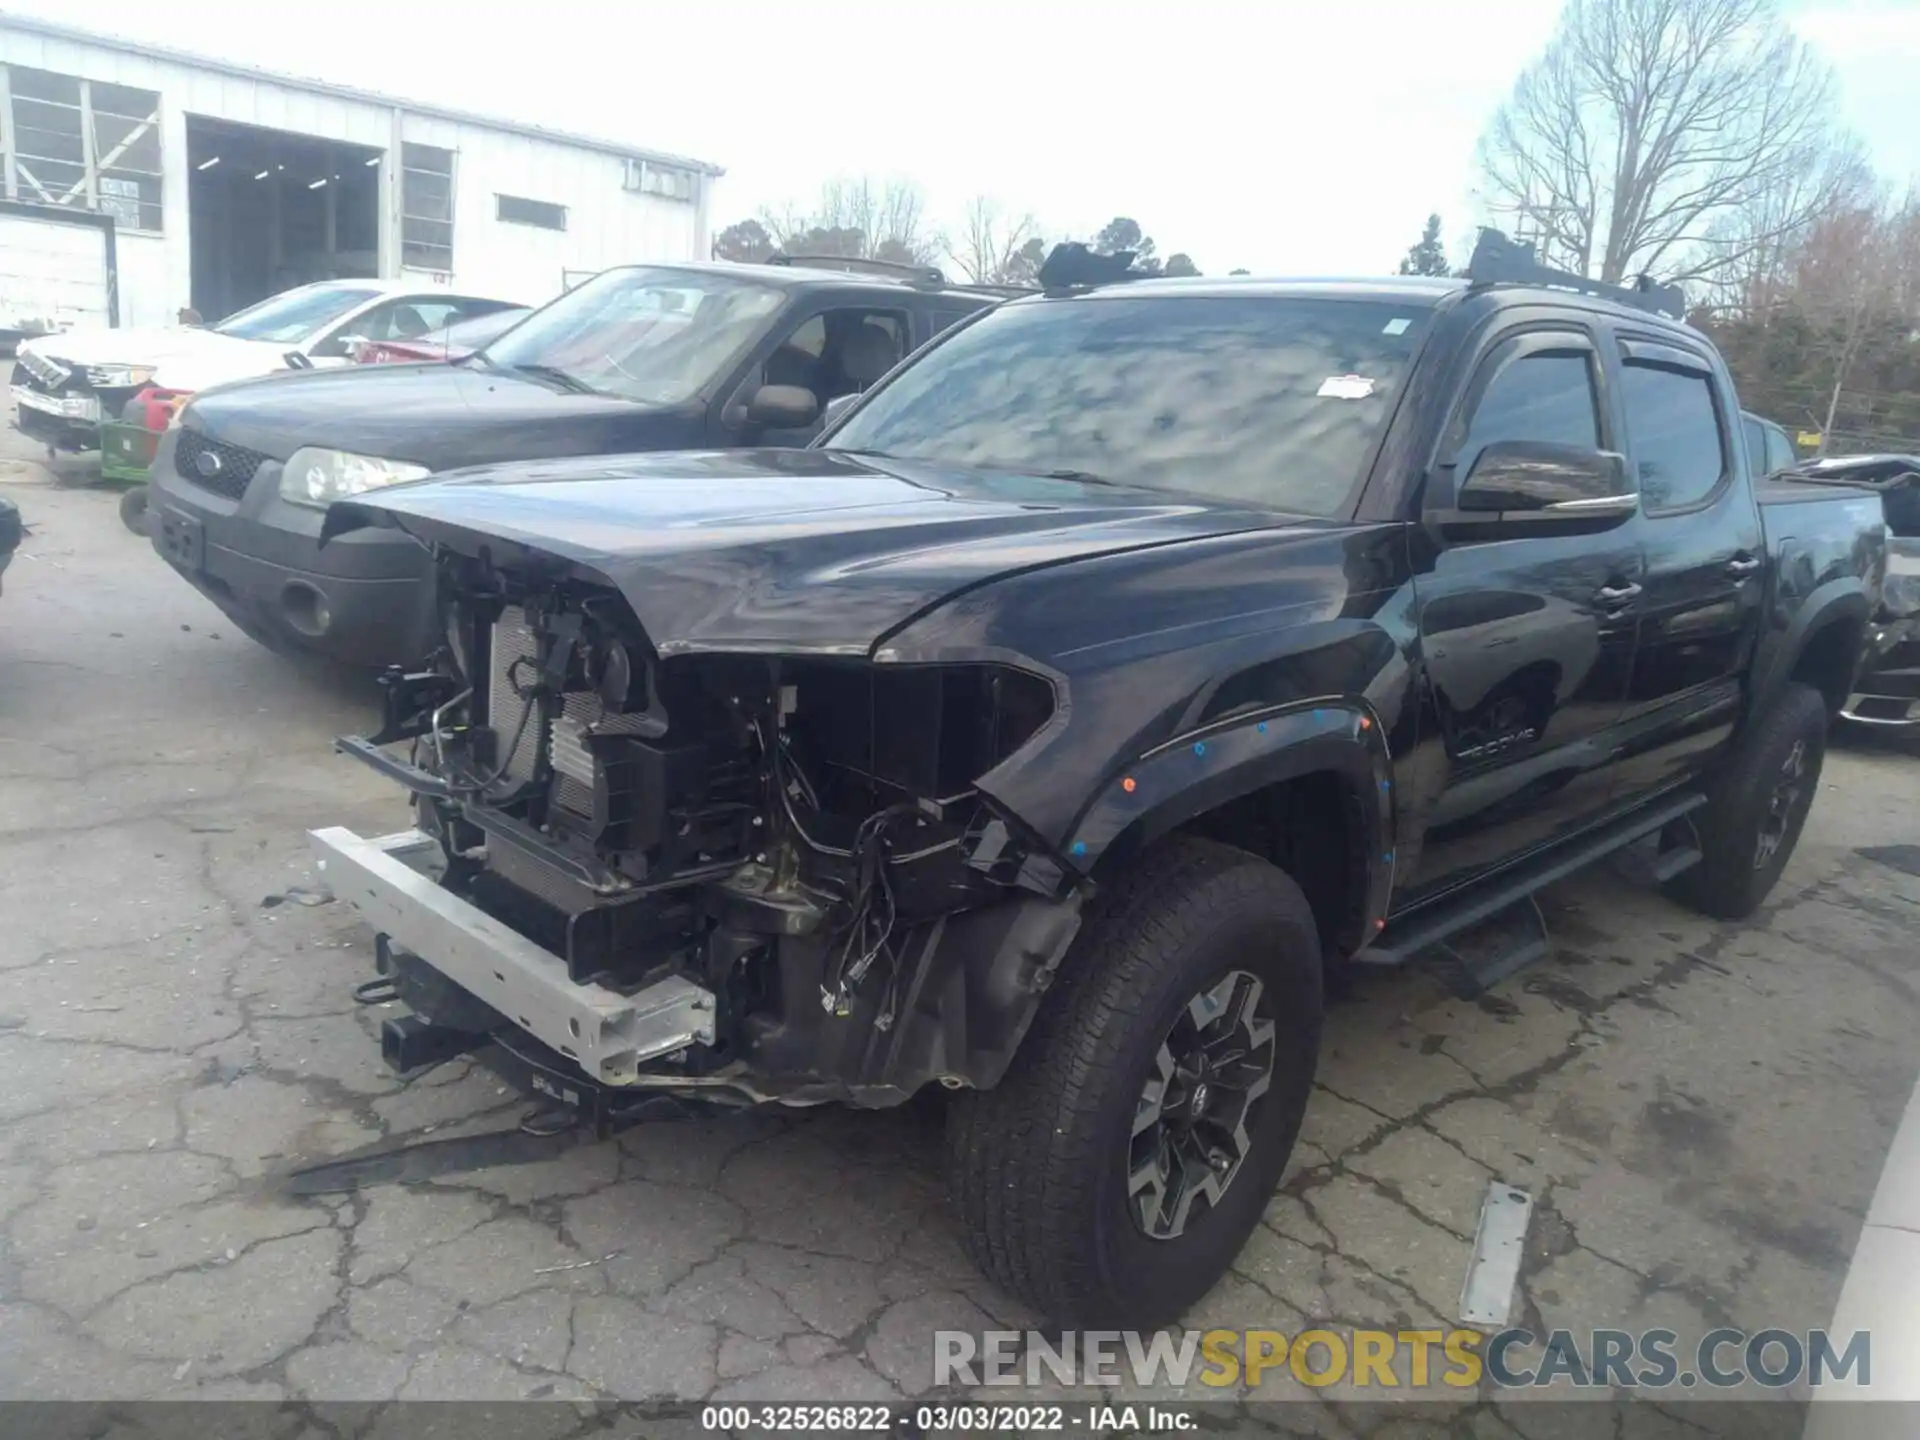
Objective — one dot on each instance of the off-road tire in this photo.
(1037, 1165)
(1730, 882)
(133, 510)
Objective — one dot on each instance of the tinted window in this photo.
(1780, 452)
(1675, 433)
(941, 319)
(1757, 462)
(1903, 511)
(1546, 396)
(1271, 400)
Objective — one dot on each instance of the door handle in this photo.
(1617, 597)
(1743, 565)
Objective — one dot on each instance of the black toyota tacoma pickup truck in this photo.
(1126, 660)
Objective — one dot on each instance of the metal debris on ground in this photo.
(577, 1264)
(1498, 1243)
(298, 895)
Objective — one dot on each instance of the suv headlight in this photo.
(320, 477)
(118, 377)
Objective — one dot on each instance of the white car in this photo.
(65, 385)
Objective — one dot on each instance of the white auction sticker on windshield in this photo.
(1397, 326)
(1346, 387)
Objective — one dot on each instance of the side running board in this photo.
(1428, 926)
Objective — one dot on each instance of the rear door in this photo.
(1705, 584)
(943, 314)
(1527, 642)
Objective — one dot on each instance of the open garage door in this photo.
(270, 209)
(57, 270)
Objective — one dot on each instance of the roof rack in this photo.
(980, 289)
(1500, 260)
(861, 264)
(1071, 264)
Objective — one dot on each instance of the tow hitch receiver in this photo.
(411, 1043)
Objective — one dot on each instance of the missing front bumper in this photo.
(609, 1035)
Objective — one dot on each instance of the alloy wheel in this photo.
(1191, 1124)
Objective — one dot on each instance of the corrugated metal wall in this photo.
(606, 223)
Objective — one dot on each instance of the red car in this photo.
(453, 343)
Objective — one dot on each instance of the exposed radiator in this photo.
(513, 641)
(581, 713)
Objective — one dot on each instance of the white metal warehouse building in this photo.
(229, 184)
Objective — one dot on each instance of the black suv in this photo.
(654, 357)
(1131, 655)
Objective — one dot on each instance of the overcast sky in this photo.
(1287, 136)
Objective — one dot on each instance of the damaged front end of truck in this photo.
(678, 862)
(768, 878)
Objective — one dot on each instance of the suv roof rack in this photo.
(861, 264)
(921, 277)
(973, 288)
(1501, 260)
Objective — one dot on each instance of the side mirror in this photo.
(836, 407)
(782, 407)
(1529, 484)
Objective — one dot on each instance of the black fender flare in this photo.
(1841, 600)
(1203, 769)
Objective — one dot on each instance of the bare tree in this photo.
(859, 218)
(990, 246)
(1758, 245)
(1851, 279)
(1670, 136)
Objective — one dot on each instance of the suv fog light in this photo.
(306, 609)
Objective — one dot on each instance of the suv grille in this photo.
(43, 374)
(213, 465)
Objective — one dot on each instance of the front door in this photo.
(1527, 642)
(839, 350)
(1705, 587)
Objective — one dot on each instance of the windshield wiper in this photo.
(566, 379)
(1085, 477)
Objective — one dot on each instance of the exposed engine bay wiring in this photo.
(529, 702)
(865, 937)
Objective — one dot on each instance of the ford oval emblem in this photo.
(207, 463)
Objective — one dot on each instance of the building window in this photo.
(426, 207)
(669, 182)
(85, 143)
(518, 210)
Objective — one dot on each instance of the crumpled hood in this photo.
(154, 346)
(812, 551)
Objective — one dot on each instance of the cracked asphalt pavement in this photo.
(1699, 1110)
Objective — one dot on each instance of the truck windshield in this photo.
(293, 315)
(651, 335)
(1272, 400)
